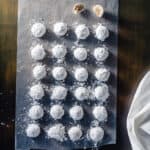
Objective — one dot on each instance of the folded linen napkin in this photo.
(138, 120)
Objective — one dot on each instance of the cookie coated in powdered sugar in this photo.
(57, 132)
(76, 112)
(82, 32)
(36, 92)
(60, 28)
(59, 93)
(33, 130)
(38, 30)
(57, 111)
(36, 112)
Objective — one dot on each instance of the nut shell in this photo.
(78, 8)
(98, 10)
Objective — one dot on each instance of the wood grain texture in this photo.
(133, 62)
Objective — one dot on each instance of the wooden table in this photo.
(133, 62)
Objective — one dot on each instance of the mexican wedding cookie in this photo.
(102, 74)
(81, 93)
(36, 92)
(33, 130)
(57, 132)
(60, 28)
(80, 54)
(81, 74)
(76, 113)
(100, 113)
(101, 33)
(101, 92)
(57, 112)
(75, 133)
(82, 32)
(59, 93)
(38, 52)
(96, 134)
(38, 30)
(101, 53)
(59, 51)
(59, 73)
(36, 112)
(39, 72)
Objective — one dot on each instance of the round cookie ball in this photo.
(60, 28)
(57, 132)
(75, 133)
(57, 112)
(36, 92)
(80, 54)
(33, 130)
(82, 32)
(36, 112)
(38, 30)
(101, 53)
(81, 74)
(76, 112)
(59, 51)
(81, 93)
(59, 73)
(101, 92)
(102, 74)
(100, 113)
(59, 93)
(101, 33)
(38, 52)
(39, 72)
(96, 134)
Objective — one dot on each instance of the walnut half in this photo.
(78, 8)
(98, 10)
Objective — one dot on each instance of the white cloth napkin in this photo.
(138, 120)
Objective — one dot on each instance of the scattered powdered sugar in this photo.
(59, 90)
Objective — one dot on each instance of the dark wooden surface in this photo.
(133, 62)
